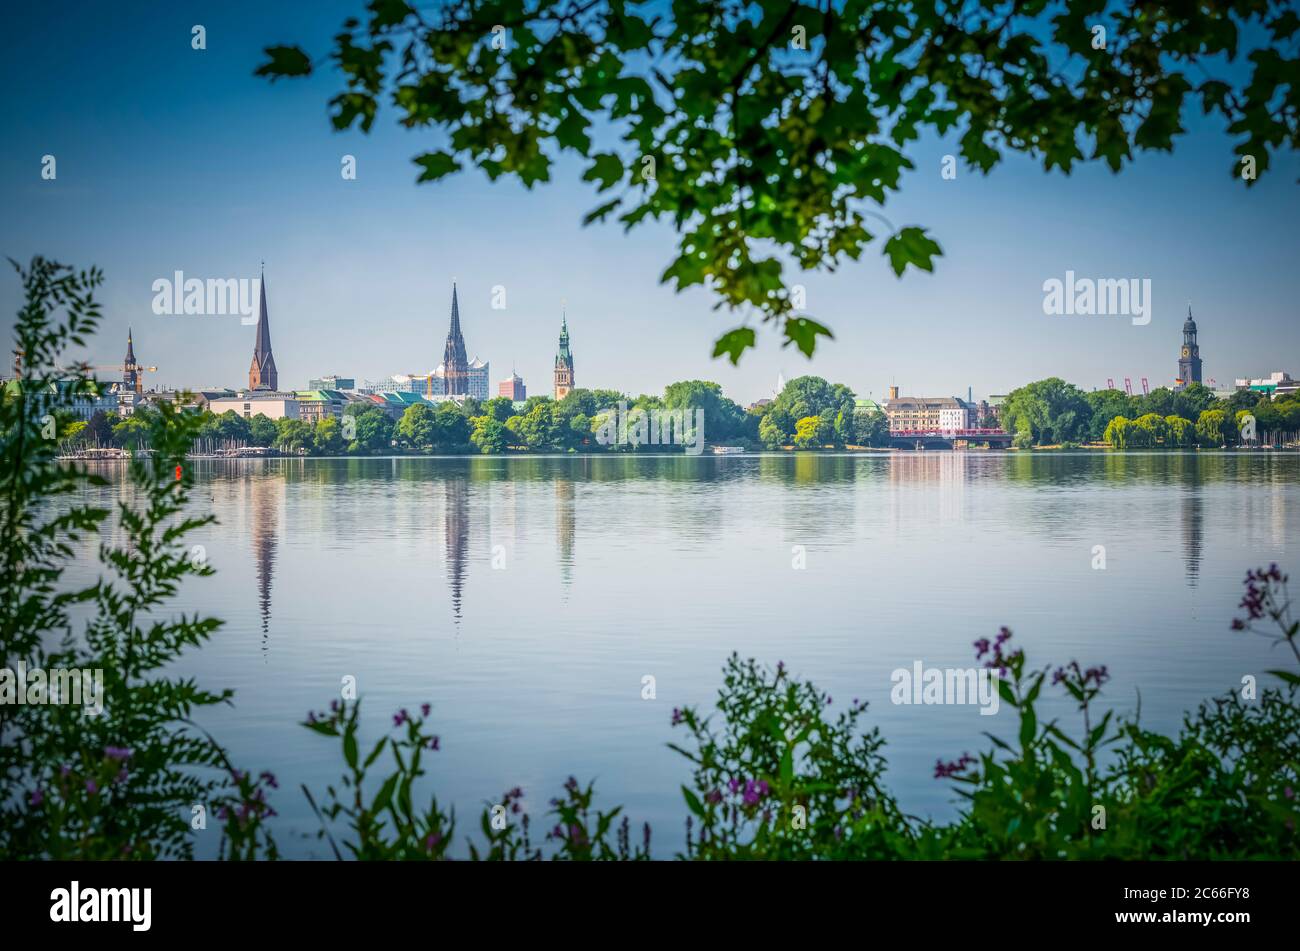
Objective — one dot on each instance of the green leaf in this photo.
(803, 332)
(734, 343)
(385, 795)
(350, 748)
(435, 165)
(1286, 675)
(693, 802)
(599, 214)
(284, 61)
(912, 246)
(606, 168)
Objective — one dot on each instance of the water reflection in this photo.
(1193, 524)
(456, 535)
(266, 495)
(565, 523)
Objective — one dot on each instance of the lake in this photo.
(526, 598)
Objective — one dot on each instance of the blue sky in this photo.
(175, 159)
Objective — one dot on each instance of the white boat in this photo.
(726, 450)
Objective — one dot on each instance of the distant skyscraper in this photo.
(262, 374)
(1189, 358)
(455, 365)
(130, 373)
(563, 363)
(513, 388)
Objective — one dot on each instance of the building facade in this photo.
(268, 403)
(927, 413)
(332, 382)
(1274, 385)
(1189, 358)
(564, 363)
(513, 388)
(315, 405)
(479, 375)
(262, 375)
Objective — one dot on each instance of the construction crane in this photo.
(1128, 386)
(123, 368)
(1145, 390)
(1110, 383)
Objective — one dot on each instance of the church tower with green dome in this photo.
(1189, 358)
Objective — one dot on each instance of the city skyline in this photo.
(186, 174)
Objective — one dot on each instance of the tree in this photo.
(1104, 406)
(233, 427)
(1159, 401)
(417, 428)
(809, 396)
(374, 433)
(1179, 432)
(1147, 432)
(811, 432)
(499, 408)
(327, 440)
(770, 434)
(1192, 400)
(764, 139)
(450, 428)
(1047, 411)
(99, 432)
(578, 431)
(293, 435)
(1210, 428)
(723, 419)
(262, 431)
(537, 428)
(870, 428)
(133, 431)
(489, 434)
(1116, 433)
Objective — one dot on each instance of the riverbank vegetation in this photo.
(1053, 412)
(809, 413)
(777, 771)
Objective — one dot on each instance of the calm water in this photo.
(615, 568)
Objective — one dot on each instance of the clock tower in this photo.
(1189, 358)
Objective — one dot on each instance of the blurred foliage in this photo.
(129, 779)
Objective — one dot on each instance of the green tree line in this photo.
(1053, 412)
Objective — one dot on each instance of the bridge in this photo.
(947, 438)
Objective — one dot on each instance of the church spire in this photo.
(563, 361)
(455, 362)
(130, 372)
(262, 374)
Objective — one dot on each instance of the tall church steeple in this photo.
(455, 363)
(563, 362)
(1189, 358)
(130, 372)
(262, 374)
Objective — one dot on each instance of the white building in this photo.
(1275, 384)
(268, 403)
(953, 418)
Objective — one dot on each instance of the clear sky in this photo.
(174, 159)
